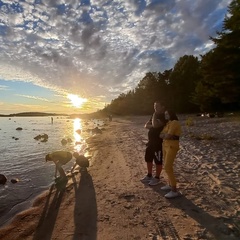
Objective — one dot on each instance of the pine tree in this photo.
(220, 66)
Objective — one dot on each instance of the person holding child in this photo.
(153, 151)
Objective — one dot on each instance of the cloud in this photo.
(3, 88)
(101, 48)
(33, 97)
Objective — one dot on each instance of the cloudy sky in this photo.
(56, 55)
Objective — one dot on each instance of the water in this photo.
(24, 158)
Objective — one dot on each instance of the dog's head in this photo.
(82, 161)
(75, 154)
(48, 158)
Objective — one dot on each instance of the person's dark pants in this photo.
(154, 153)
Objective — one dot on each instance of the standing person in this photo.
(170, 136)
(154, 145)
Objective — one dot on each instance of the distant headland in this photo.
(32, 114)
(43, 114)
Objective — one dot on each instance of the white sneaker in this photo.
(172, 194)
(166, 188)
(146, 179)
(154, 181)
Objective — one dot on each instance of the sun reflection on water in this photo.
(77, 133)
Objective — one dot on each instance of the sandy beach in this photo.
(109, 202)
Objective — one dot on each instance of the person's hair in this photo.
(172, 115)
(160, 102)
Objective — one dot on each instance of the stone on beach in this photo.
(79, 131)
(64, 141)
(96, 130)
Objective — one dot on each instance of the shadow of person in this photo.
(214, 225)
(49, 215)
(217, 226)
(85, 210)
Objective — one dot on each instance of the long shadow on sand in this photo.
(49, 214)
(85, 210)
(212, 224)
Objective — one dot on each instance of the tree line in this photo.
(211, 83)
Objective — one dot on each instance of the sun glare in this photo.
(77, 136)
(76, 100)
(80, 141)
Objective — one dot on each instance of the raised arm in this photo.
(156, 122)
(148, 124)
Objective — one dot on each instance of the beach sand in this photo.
(109, 202)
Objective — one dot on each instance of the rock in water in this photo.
(14, 180)
(3, 179)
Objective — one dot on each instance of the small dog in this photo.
(81, 160)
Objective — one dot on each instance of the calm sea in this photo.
(23, 158)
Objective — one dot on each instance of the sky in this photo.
(73, 56)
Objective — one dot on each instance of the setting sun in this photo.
(76, 100)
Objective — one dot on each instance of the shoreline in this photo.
(109, 201)
(27, 204)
